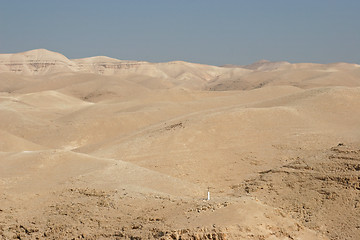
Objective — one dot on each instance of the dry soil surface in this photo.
(100, 148)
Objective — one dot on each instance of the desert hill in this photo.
(101, 148)
(180, 74)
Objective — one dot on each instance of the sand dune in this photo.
(101, 148)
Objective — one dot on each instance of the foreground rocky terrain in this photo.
(100, 148)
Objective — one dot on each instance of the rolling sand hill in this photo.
(101, 148)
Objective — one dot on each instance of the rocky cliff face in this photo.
(106, 65)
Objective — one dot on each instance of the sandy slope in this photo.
(100, 148)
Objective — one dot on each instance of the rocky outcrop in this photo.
(105, 65)
(35, 62)
(42, 61)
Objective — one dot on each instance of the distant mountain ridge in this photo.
(262, 65)
(42, 61)
(184, 74)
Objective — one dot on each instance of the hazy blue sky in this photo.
(206, 31)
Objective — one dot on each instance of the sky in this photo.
(215, 32)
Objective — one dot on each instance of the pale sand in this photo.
(100, 148)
